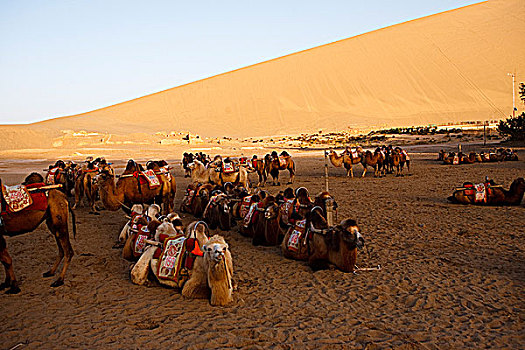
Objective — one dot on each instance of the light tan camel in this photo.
(346, 160)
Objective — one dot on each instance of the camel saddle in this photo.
(171, 260)
(151, 178)
(20, 197)
(254, 163)
(139, 240)
(455, 160)
(248, 219)
(298, 235)
(282, 162)
(245, 206)
(228, 168)
(53, 175)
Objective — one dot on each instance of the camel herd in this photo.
(219, 196)
(384, 160)
(497, 155)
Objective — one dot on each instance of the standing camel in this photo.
(283, 162)
(348, 160)
(55, 211)
(375, 161)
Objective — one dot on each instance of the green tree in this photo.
(513, 127)
(522, 92)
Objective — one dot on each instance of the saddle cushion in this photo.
(282, 162)
(228, 168)
(297, 235)
(151, 178)
(171, 258)
(19, 198)
(52, 176)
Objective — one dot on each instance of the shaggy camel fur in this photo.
(56, 216)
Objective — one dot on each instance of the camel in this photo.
(217, 212)
(283, 162)
(489, 193)
(56, 214)
(187, 158)
(295, 242)
(397, 159)
(261, 167)
(161, 169)
(267, 228)
(374, 160)
(206, 269)
(129, 190)
(62, 174)
(238, 175)
(335, 245)
(348, 160)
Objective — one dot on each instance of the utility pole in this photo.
(513, 75)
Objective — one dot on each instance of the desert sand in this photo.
(452, 278)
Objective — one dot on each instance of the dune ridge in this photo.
(450, 66)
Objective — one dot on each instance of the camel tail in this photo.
(73, 221)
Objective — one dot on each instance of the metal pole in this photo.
(326, 170)
(513, 75)
(484, 133)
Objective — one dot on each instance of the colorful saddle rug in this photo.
(228, 168)
(455, 160)
(139, 240)
(249, 216)
(171, 259)
(52, 176)
(282, 162)
(16, 197)
(151, 178)
(481, 193)
(254, 163)
(245, 206)
(407, 157)
(298, 235)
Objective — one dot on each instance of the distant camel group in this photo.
(384, 160)
(498, 155)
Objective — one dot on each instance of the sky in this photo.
(60, 58)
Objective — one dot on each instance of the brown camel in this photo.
(85, 184)
(374, 160)
(218, 213)
(161, 169)
(261, 167)
(55, 212)
(267, 229)
(489, 193)
(276, 164)
(348, 160)
(129, 190)
(335, 245)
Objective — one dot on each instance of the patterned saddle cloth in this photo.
(151, 178)
(17, 198)
(282, 162)
(298, 235)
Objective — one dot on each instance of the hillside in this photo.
(450, 66)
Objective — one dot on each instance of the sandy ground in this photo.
(453, 276)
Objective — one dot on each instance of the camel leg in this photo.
(58, 227)
(364, 171)
(292, 176)
(7, 261)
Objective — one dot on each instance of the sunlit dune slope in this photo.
(450, 66)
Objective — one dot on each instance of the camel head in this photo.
(350, 233)
(215, 249)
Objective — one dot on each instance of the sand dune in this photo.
(450, 66)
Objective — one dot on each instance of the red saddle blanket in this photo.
(171, 258)
(151, 178)
(52, 174)
(17, 198)
(298, 235)
(228, 168)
